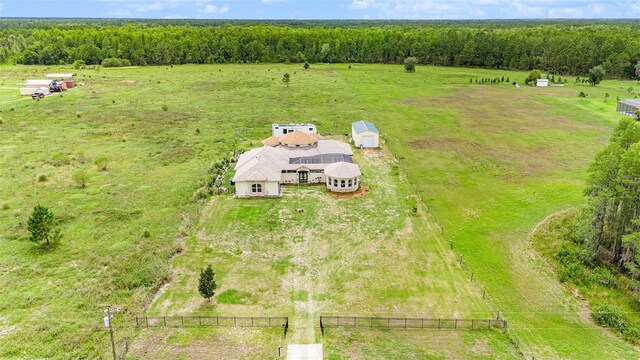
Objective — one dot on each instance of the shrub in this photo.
(5, 206)
(81, 178)
(115, 62)
(146, 234)
(607, 315)
(42, 177)
(582, 94)
(60, 159)
(102, 163)
(410, 64)
(165, 107)
(78, 64)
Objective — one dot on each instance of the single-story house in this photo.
(294, 158)
(542, 82)
(284, 129)
(31, 86)
(628, 107)
(365, 134)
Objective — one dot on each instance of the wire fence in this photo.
(410, 323)
(212, 321)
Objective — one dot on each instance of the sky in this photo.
(327, 9)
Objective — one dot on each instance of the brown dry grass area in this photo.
(501, 120)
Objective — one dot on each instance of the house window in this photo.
(256, 188)
(310, 129)
(335, 182)
(342, 183)
(349, 183)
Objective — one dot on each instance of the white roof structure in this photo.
(59, 76)
(342, 170)
(267, 163)
(37, 83)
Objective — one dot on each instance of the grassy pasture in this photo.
(490, 161)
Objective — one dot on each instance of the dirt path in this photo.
(546, 220)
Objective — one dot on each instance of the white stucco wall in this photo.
(269, 188)
(357, 138)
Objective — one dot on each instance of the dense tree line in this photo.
(613, 218)
(558, 47)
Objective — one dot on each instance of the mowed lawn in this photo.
(492, 161)
(312, 253)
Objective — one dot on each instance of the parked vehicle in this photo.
(40, 93)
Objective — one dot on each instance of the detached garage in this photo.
(365, 134)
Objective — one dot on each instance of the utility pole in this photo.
(108, 323)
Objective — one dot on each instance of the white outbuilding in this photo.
(365, 134)
(31, 86)
(542, 82)
(284, 129)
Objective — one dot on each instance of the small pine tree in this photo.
(207, 285)
(470, 81)
(507, 80)
(286, 79)
(306, 65)
(43, 225)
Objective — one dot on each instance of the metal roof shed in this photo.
(628, 107)
(365, 134)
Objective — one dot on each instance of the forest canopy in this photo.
(560, 47)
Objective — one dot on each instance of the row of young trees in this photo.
(612, 229)
(557, 47)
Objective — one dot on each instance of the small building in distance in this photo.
(284, 129)
(628, 107)
(542, 82)
(31, 86)
(365, 134)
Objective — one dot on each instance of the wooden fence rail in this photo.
(410, 323)
(216, 321)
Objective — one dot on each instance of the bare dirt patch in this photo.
(129, 82)
(362, 191)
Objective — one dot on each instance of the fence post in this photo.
(439, 323)
(472, 324)
(137, 322)
(217, 320)
(234, 321)
(269, 320)
(371, 322)
(199, 320)
(165, 320)
(388, 323)
(146, 319)
(321, 326)
(405, 323)
(252, 321)
(456, 324)
(182, 320)
(422, 321)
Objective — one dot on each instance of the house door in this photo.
(303, 177)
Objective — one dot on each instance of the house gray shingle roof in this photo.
(342, 170)
(362, 126)
(266, 163)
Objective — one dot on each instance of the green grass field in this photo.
(490, 161)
